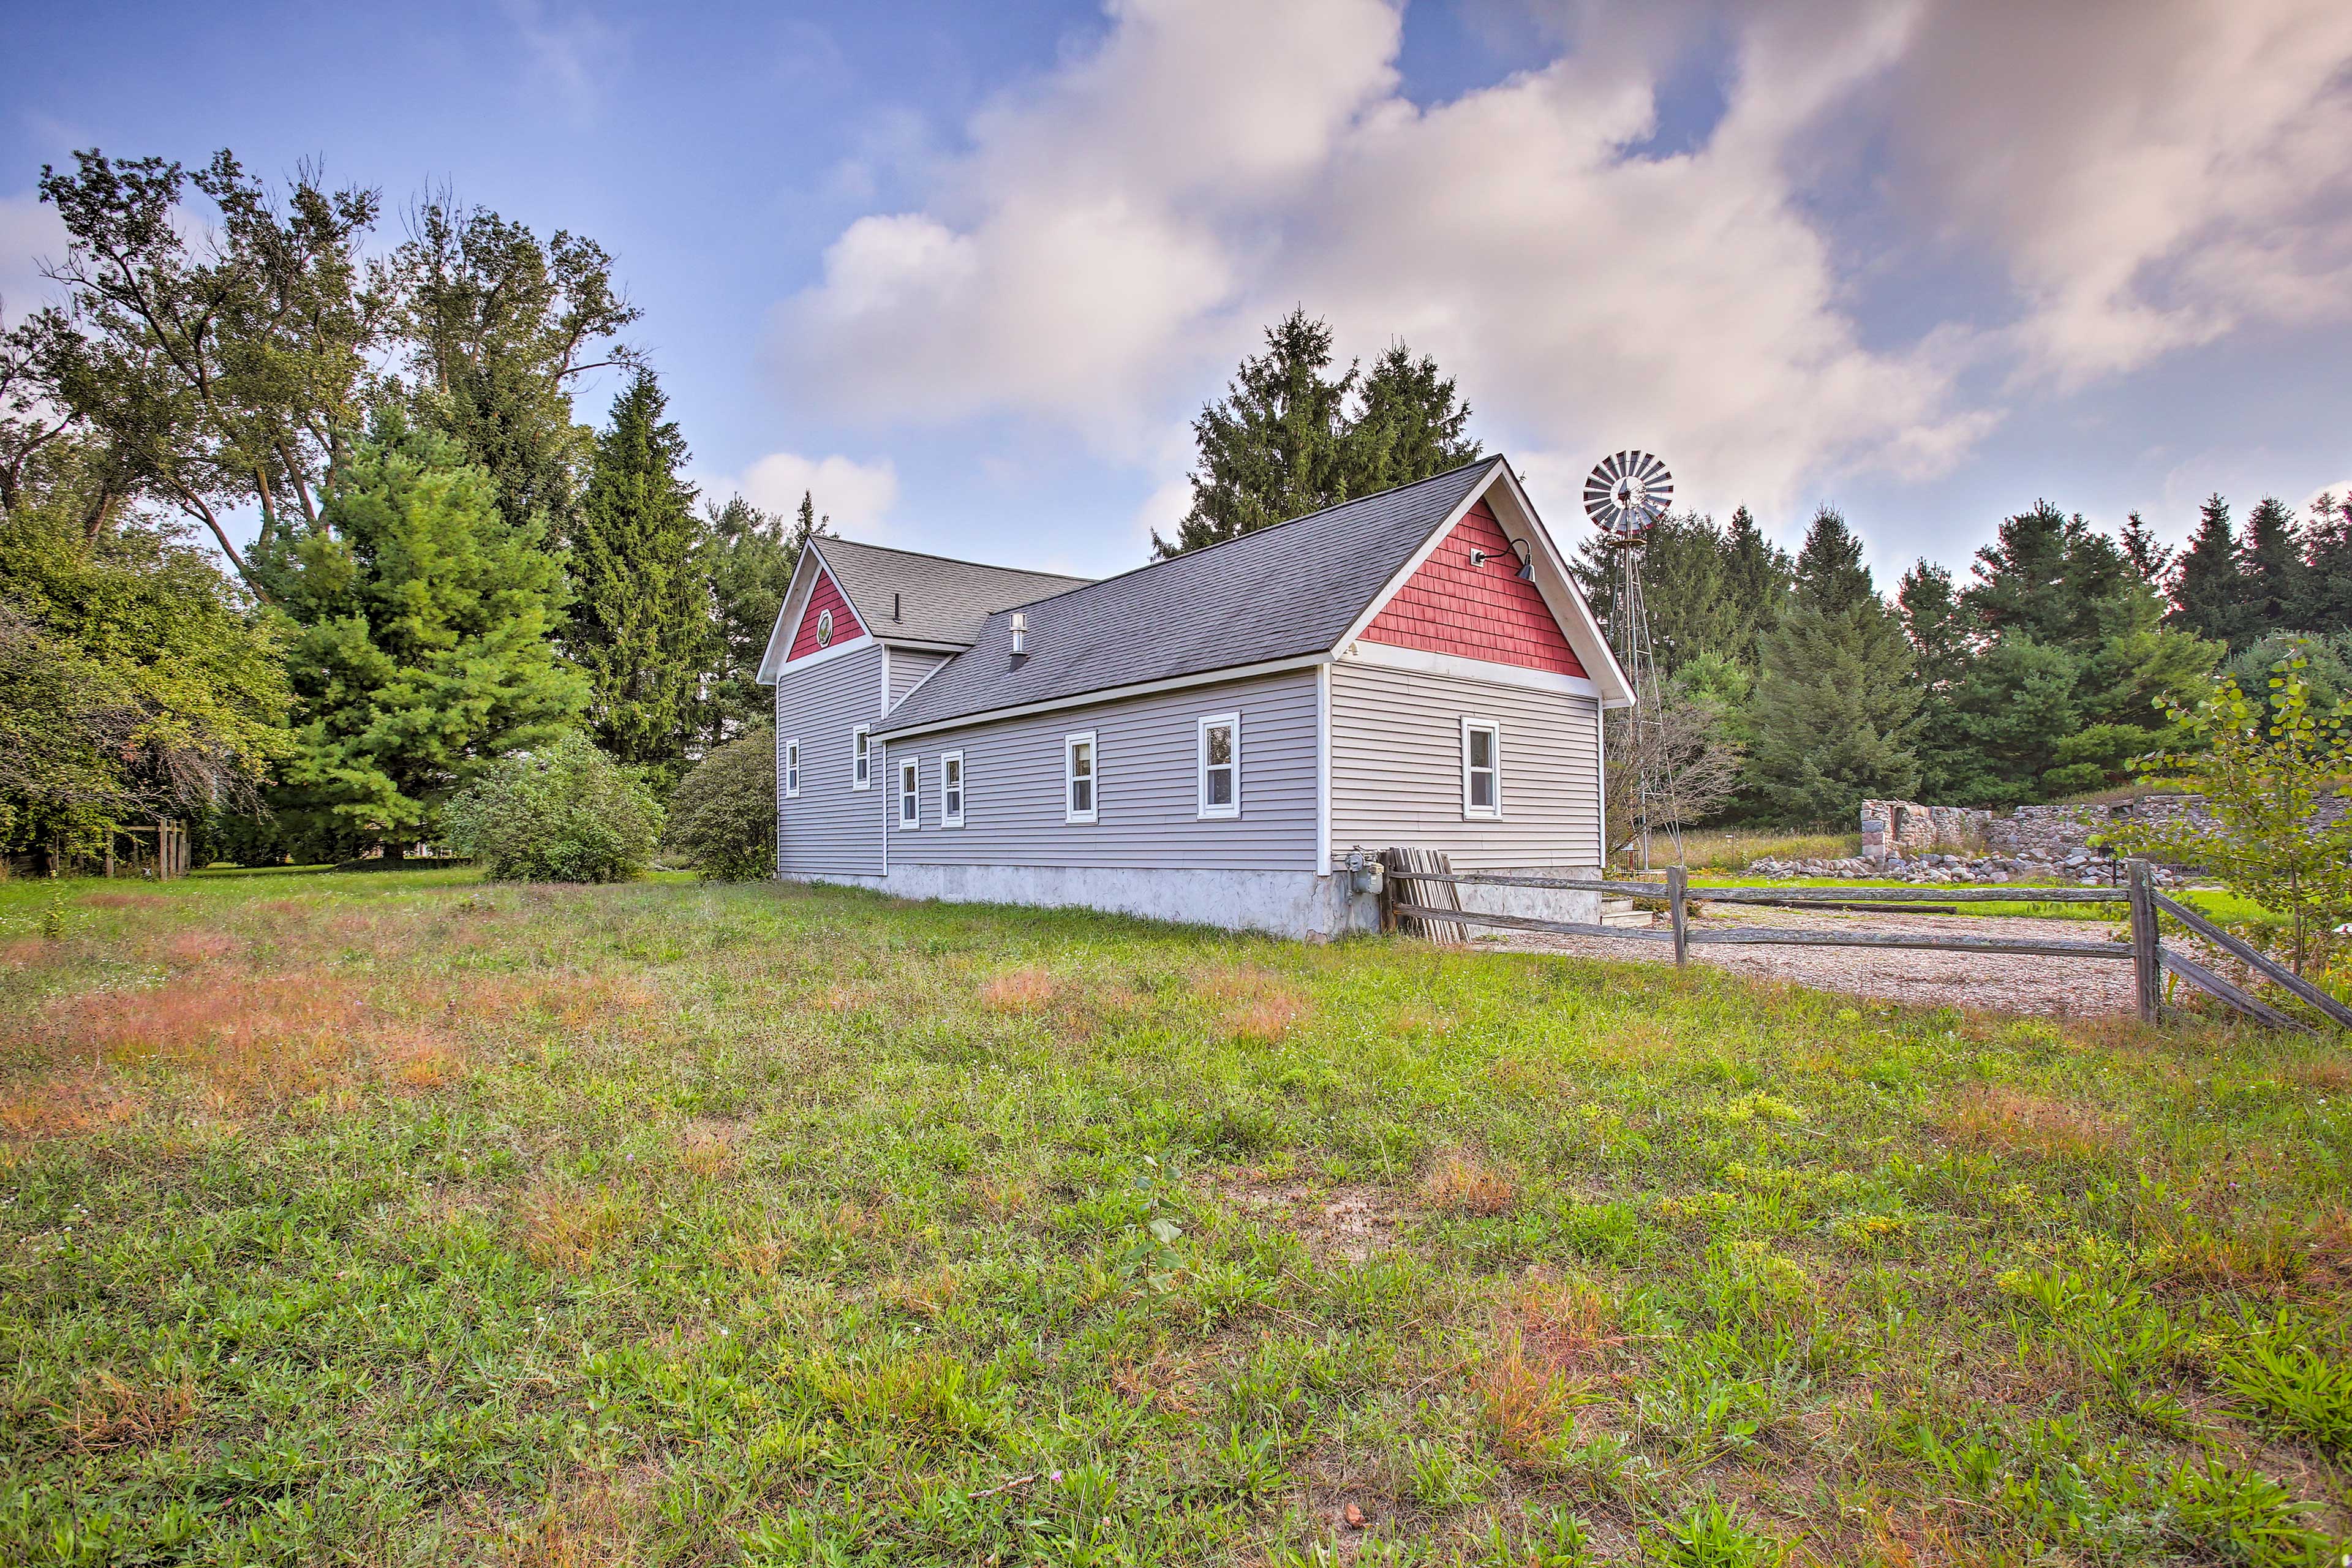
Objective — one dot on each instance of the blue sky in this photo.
(967, 271)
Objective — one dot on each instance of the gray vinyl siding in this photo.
(1147, 796)
(907, 669)
(831, 829)
(1396, 769)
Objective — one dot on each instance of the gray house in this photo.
(1205, 738)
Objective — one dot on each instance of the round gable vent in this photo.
(824, 628)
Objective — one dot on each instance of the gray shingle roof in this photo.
(939, 600)
(1279, 592)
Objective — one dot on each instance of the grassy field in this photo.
(394, 1219)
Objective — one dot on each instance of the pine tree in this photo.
(425, 645)
(2326, 604)
(1288, 438)
(748, 563)
(1757, 577)
(1836, 707)
(1411, 424)
(2150, 560)
(642, 625)
(1933, 623)
(806, 525)
(2270, 561)
(2209, 592)
(1272, 448)
(2053, 578)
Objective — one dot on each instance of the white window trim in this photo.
(1495, 729)
(910, 768)
(792, 765)
(861, 757)
(1070, 744)
(1200, 764)
(962, 785)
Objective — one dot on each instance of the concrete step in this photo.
(1622, 912)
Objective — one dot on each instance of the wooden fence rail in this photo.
(1422, 898)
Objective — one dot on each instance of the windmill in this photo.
(1626, 495)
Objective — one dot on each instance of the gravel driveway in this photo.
(2006, 982)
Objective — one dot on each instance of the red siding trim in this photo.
(1485, 612)
(824, 596)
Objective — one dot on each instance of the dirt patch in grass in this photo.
(1350, 1221)
(126, 901)
(2012, 1122)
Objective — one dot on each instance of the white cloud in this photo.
(857, 496)
(2145, 176)
(567, 57)
(2153, 174)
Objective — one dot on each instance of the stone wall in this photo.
(1898, 827)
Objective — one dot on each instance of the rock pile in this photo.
(2080, 868)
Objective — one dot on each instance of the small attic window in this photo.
(824, 628)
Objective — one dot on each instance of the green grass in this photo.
(396, 1219)
(1732, 848)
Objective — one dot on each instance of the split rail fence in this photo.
(1422, 897)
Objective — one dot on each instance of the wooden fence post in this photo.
(1679, 912)
(2148, 961)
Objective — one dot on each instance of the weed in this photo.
(2284, 1381)
(1459, 1182)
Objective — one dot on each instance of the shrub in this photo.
(722, 815)
(565, 813)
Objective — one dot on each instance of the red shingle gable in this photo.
(824, 596)
(1485, 612)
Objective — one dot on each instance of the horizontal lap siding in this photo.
(1149, 806)
(907, 669)
(830, 829)
(1396, 768)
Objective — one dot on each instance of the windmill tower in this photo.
(1626, 495)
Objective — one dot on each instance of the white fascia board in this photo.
(1420, 661)
(795, 605)
(1558, 584)
(1413, 564)
(1110, 694)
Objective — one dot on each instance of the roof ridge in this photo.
(1253, 534)
(819, 540)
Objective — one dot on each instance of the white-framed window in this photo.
(825, 628)
(1220, 770)
(1482, 768)
(791, 769)
(1081, 768)
(952, 789)
(861, 766)
(910, 799)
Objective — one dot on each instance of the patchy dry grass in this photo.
(396, 1219)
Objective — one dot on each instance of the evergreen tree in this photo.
(2209, 593)
(1836, 706)
(641, 627)
(806, 525)
(1932, 621)
(1757, 577)
(2053, 578)
(423, 651)
(1272, 448)
(1411, 424)
(749, 560)
(2150, 560)
(2326, 604)
(1288, 437)
(2270, 561)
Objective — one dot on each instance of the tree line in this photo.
(446, 568)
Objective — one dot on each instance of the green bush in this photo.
(722, 815)
(565, 813)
